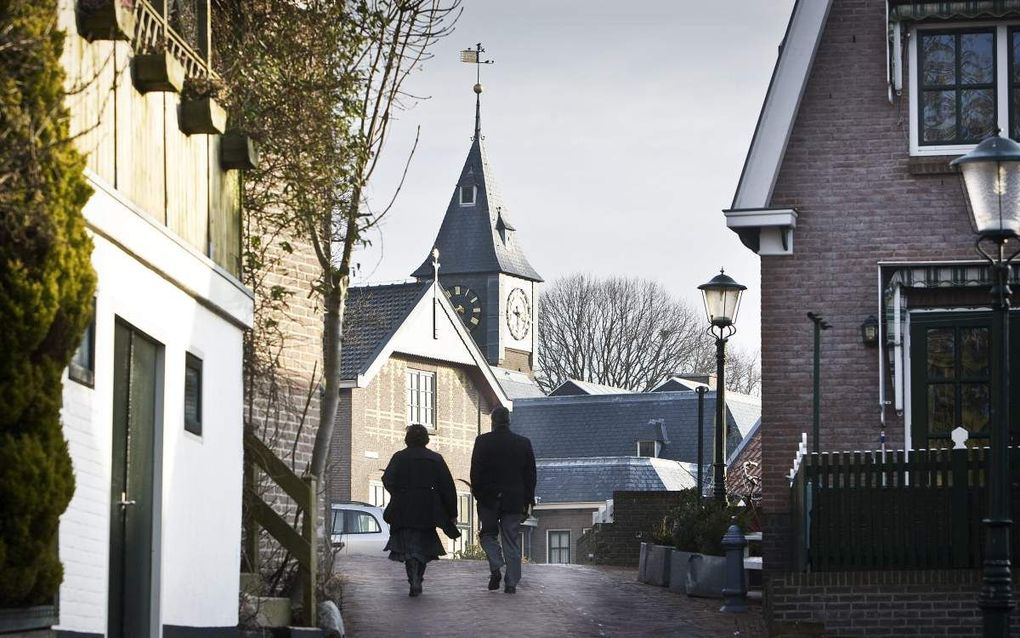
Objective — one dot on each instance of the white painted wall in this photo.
(414, 337)
(200, 519)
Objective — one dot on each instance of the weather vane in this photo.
(474, 56)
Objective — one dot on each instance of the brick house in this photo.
(847, 196)
(589, 446)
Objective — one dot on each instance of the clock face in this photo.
(518, 314)
(467, 305)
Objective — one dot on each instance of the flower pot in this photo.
(679, 563)
(654, 564)
(239, 151)
(706, 576)
(202, 115)
(27, 619)
(105, 19)
(157, 72)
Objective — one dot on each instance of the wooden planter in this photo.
(202, 115)
(157, 72)
(239, 151)
(105, 19)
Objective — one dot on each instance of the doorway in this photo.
(137, 402)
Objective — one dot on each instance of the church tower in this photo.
(482, 265)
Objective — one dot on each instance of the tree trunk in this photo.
(334, 300)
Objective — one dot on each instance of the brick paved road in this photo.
(551, 600)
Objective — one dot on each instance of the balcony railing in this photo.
(153, 32)
(920, 509)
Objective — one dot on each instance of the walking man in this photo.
(503, 484)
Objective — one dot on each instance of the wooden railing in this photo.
(301, 545)
(153, 32)
(892, 510)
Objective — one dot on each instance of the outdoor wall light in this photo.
(869, 332)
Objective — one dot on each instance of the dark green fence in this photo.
(892, 510)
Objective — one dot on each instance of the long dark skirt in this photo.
(407, 543)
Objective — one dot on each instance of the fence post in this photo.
(960, 510)
(309, 531)
(251, 526)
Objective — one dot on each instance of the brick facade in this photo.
(573, 520)
(636, 516)
(372, 422)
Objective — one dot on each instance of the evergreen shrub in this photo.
(700, 527)
(46, 288)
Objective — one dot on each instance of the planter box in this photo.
(105, 19)
(706, 576)
(239, 151)
(157, 72)
(27, 619)
(679, 565)
(202, 115)
(654, 564)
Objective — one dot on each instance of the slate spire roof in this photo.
(478, 238)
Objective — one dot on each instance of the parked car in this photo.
(359, 528)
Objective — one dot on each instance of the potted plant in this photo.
(105, 19)
(697, 527)
(156, 69)
(200, 110)
(238, 150)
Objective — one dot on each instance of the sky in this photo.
(616, 130)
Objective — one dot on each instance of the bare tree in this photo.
(628, 333)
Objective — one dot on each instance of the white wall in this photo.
(199, 524)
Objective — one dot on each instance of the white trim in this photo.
(574, 505)
(474, 196)
(1001, 84)
(774, 225)
(570, 550)
(779, 111)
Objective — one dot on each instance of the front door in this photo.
(137, 390)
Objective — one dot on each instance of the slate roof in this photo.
(679, 384)
(596, 478)
(612, 424)
(373, 314)
(572, 387)
(469, 239)
(517, 385)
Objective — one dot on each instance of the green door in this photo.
(953, 377)
(136, 392)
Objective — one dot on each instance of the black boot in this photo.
(494, 579)
(414, 573)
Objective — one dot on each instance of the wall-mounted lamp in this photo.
(869, 332)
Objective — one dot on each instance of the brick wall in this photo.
(373, 419)
(888, 603)
(635, 516)
(574, 520)
(847, 172)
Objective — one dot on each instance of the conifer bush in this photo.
(46, 288)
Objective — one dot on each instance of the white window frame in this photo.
(373, 486)
(548, 549)
(1001, 84)
(416, 412)
(474, 195)
(658, 448)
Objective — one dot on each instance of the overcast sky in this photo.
(617, 132)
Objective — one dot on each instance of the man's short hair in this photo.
(417, 435)
(501, 417)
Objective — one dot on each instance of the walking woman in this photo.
(422, 497)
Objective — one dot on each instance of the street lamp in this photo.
(991, 178)
(722, 301)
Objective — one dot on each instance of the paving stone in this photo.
(551, 600)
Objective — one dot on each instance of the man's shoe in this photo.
(494, 579)
(510, 589)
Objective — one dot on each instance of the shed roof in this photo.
(589, 479)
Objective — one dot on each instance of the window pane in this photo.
(941, 353)
(977, 57)
(938, 116)
(974, 352)
(1014, 46)
(360, 523)
(978, 109)
(193, 394)
(1014, 113)
(941, 408)
(938, 55)
(975, 406)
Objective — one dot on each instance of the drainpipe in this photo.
(820, 324)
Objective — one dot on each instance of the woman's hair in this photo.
(417, 435)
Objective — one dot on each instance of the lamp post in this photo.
(722, 301)
(991, 178)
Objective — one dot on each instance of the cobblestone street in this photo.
(551, 600)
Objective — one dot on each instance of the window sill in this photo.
(931, 165)
(81, 375)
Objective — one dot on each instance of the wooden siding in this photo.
(134, 143)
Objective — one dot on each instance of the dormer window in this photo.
(467, 195)
(648, 449)
(965, 84)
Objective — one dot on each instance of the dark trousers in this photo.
(507, 549)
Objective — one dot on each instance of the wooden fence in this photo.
(892, 510)
(300, 545)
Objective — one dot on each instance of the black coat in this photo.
(503, 471)
(421, 490)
